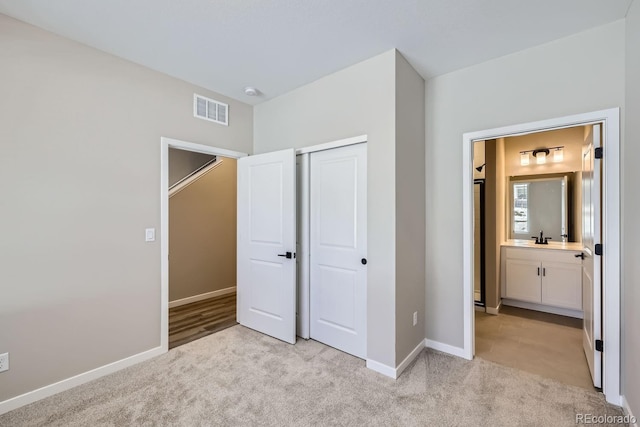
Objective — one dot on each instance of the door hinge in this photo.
(598, 249)
(598, 152)
(599, 345)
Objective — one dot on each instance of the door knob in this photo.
(580, 255)
(287, 255)
(363, 261)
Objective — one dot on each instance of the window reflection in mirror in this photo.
(542, 202)
(520, 208)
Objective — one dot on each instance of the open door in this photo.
(592, 261)
(266, 262)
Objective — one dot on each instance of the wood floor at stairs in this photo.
(196, 320)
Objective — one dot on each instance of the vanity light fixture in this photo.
(541, 154)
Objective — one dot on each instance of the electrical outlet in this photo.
(415, 318)
(4, 362)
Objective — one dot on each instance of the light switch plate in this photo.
(150, 235)
(4, 362)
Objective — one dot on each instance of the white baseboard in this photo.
(380, 368)
(545, 308)
(480, 308)
(407, 360)
(445, 348)
(494, 311)
(66, 384)
(394, 373)
(201, 297)
(633, 422)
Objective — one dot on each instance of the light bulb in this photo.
(524, 159)
(541, 158)
(558, 155)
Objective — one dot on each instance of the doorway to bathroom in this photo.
(533, 315)
(544, 296)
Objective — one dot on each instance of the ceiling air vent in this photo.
(209, 109)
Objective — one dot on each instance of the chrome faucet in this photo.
(541, 240)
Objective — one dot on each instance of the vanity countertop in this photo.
(567, 246)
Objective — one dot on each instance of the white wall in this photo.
(355, 101)
(581, 73)
(410, 208)
(630, 208)
(80, 181)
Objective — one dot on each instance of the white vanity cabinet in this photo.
(542, 279)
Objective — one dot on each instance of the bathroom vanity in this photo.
(542, 277)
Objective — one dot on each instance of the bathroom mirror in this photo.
(544, 202)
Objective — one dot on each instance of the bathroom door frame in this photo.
(610, 120)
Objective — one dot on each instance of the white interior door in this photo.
(338, 242)
(591, 264)
(266, 262)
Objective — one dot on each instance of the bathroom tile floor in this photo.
(541, 343)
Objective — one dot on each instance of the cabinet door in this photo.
(523, 280)
(562, 285)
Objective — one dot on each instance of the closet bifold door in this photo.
(338, 248)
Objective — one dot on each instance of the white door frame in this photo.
(305, 265)
(610, 120)
(303, 321)
(165, 144)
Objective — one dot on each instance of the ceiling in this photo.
(279, 45)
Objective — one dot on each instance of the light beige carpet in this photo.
(238, 377)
